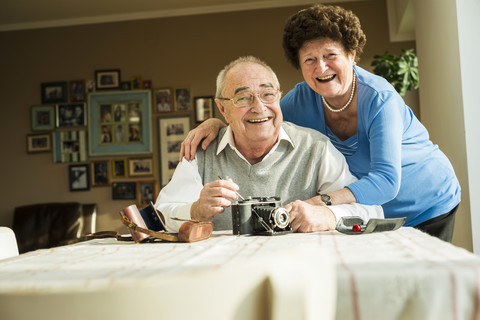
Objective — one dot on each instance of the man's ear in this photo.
(221, 108)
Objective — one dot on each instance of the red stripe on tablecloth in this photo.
(476, 305)
(450, 271)
(351, 276)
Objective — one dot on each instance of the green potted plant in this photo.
(401, 71)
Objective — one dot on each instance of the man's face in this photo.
(259, 122)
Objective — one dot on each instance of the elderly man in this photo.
(262, 156)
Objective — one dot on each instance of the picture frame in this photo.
(171, 132)
(107, 79)
(124, 190)
(147, 192)
(69, 146)
(147, 84)
(40, 142)
(136, 83)
(183, 99)
(78, 177)
(119, 122)
(119, 168)
(90, 86)
(77, 91)
(71, 115)
(54, 92)
(100, 173)
(43, 118)
(125, 85)
(163, 100)
(203, 108)
(140, 167)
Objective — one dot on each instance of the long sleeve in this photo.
(334, 174)
(384, 125)
(176, 198)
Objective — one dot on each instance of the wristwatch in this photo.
(326, 199)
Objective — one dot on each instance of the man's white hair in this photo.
(247, 59)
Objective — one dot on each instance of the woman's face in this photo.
(327, 68)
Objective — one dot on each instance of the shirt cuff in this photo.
(354, 209)
(176, 211)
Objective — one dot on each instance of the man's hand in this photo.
(207, 131)
(305, 217)
(214, 197)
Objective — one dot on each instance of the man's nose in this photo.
(257, 104)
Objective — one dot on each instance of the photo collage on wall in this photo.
(103, 128)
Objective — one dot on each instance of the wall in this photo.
(450, 111)
(174, 52)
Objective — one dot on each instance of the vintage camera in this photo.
(260, 216)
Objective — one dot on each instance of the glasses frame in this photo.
(278, 94)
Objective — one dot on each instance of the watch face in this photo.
(326, 199)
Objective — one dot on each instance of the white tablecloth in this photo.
(404, 274)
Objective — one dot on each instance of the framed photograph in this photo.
(146, 192)
(77, 91)
(124, 190)
(119, 168)
(141, 167)
(183, 101)
(39, 143)
(120, 122)
(100, 173)
(43, 118)
(90, 86)
(136, 83)
(203, 108)
(163, 100)
(69, 146)
(79, 179)
(71, 115)
(107, 79)
(125, 85)
(171, 132)
(54, 92)
(147, 84)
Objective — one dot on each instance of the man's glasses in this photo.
(245, 98)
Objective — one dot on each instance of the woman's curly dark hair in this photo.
(322, 21)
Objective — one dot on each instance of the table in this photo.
(402, 274)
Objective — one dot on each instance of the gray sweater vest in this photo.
(290, 173)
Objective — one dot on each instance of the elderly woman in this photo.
(385, 145)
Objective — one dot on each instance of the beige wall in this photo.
(173, 52)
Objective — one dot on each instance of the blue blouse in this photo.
(397, 165)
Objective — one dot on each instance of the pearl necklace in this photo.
(348, 102)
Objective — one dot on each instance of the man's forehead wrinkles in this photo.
(263, 85)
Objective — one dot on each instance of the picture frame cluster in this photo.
(103, 128)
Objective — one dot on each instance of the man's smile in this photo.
(259, 120)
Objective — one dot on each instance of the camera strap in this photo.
(156, 234)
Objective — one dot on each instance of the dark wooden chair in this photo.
(47, 225)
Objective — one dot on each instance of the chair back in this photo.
(8, 243)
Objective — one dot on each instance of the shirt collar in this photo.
(227, 139)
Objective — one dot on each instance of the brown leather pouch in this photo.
(191, 231)
(149, 223)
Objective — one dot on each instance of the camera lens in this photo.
(280, 218)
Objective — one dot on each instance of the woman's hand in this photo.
(207, 131)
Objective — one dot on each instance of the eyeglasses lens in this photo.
(245, 99)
